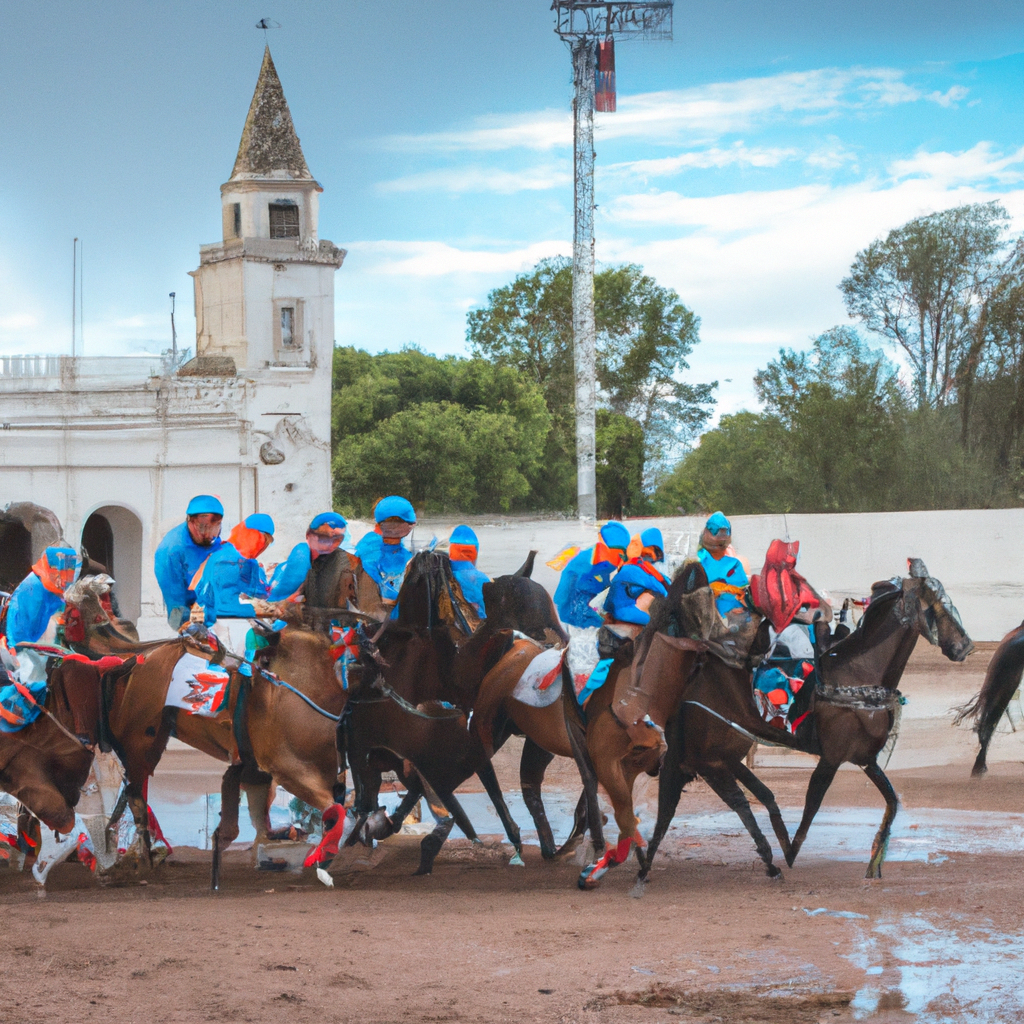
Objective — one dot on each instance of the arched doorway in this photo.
(25, 529)
(113, 535)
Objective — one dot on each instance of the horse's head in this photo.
(937, 618)
(84, 608)
(431, 596)
(689, 610)
(517, 602)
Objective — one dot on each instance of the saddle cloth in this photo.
(541, 684)
(198, 687)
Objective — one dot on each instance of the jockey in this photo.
(326, 534)
(588, 574)
(462, 550)
(631, 593)
(183, 551)
(232, 570)
(652, 555)
(382, 552)
(35, 601)
(726, 575)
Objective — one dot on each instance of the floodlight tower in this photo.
(590, 28)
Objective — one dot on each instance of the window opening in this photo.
(284, 220)
(287, 325)
(238, 219)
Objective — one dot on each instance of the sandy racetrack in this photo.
(938, 939)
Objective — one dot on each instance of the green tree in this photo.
(925, 288)
(644, 336)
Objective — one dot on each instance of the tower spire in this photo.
(269, 147)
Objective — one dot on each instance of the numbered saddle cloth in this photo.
(198, 687)
(541, 684)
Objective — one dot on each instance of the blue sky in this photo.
(748, 162)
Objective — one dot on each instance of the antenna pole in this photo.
(74, 293)
(81, 295)
(174, 336)
(584, 330)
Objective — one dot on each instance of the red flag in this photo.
(604, 93)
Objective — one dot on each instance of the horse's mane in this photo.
(324, 579)
(875, 618)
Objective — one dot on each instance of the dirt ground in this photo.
(939, 938)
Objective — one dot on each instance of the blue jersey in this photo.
(581, 582)
(472, 581)
(727, 578)
(384, 563)
(291, 573)
(177, 560)
(30, 609)
(226, 576)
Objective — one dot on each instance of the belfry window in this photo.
(284, 220)
(287, 325)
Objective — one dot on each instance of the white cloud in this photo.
(715, 109)
(950, 98)
(737, 153)
(480, 179)
(979, 163)
(438, 259)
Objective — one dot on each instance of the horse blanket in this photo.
(541, 684)
(198, 687)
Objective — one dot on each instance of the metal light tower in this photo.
(584, 25)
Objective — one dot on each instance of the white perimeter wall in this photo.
(978, 555)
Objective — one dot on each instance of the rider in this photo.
(725, 572)
(325, 535)
(183, 551)
(652, 555)
(463, 548)
(35, 601)
(382, 552)
(232, 570)
(588, 574)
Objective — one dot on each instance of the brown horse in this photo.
(850, 712)
(1002, 680)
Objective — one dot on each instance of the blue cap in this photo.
(204, 504)
(260, 521)
(637, 577)
(717, 523)
(331, 519)
(394, 505)
(61, 559)
(615, 535)
(652, 539)
(463, 535)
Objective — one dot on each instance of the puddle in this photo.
(942, 971)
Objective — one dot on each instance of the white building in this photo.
(115, 447)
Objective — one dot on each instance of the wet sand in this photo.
(939, 938)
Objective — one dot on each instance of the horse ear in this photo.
(694, 577)
(526, 569)
(917, 568)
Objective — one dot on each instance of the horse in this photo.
(850, 712)
(988, 705)
(412, 705)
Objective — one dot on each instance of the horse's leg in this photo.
(579, 827)
(532, 766)
(670, 789)
(821, 778)
(227, 828)
(485, 773)
(578, 742)
(723, 782)
(619, 787)
(257, 785)
(881, 843)
(761, 792)
(432, 843)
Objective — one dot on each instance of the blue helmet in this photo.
(260, 521)
(652, 539)
(394, 506)
(463, 535)
(330, 519)
(204, 504)
(717, 524)
(627, 585)
(615, 535)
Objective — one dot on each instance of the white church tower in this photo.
(107, 450)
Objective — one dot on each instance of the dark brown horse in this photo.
(989, 704)
(412, 704)
(850, 712)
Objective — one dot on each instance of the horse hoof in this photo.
(591, 875)
(639, 888)
(325, 878)
(516, 861)
(773, 872)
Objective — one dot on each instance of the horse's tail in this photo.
(988, 705)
